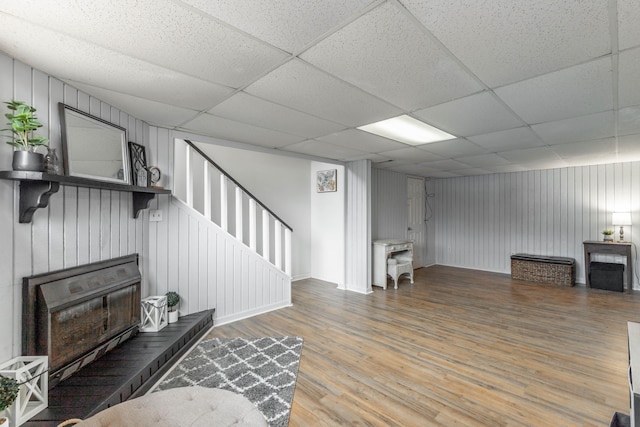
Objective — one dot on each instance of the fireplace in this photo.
(78, 314)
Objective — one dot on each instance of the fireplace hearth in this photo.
(76, 315)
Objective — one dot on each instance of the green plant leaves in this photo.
(23, 122)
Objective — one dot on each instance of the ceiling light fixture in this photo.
(408, 130)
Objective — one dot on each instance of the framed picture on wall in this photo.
(327, 181)
(139, 172)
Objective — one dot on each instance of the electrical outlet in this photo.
(155, 215)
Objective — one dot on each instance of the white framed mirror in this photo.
(93, 148)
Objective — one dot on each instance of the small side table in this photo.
(611, 248)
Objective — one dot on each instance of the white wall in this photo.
(327, 227)
(281, 183)
(358, 227)
(481, 220)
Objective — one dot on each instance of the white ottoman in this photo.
(183, 406)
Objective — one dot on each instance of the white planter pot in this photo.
(173, 316)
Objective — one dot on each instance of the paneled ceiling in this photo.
(522, 84)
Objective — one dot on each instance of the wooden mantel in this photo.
(37, 187)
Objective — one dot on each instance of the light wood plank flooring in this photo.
(457, 348)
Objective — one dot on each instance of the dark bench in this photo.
(541, 268)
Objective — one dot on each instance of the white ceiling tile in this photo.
(444, 174)
(483, 160)
(588, 153)
(152, 112)
(506, 168)
(629, 84)
(390, 164)
(385, 53)
(575, 91)
(230, 130)
(584, 128)
(503, 42)
(106, 69)
(629, 120)
(446, 164)
(472, 115)
(471, 171)
(628, 28)
(172, 36)
(522, 137)
(366, 156)
(453, 148)
(362, 141)
(418, 170)
(533, 156)
(289, 24)
(629, 148)
(322, 149)
(411, 155)
(302, 87)
(245, 108)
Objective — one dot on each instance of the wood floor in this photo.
(457, 348)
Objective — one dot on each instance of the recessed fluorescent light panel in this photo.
(407, 130)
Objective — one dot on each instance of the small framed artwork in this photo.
(327, 181)
(139, 173)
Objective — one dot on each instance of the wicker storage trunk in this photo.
(546, 269)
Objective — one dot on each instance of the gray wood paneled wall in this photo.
(80, 225)
(481, 220)
(389, 205)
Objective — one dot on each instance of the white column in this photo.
(265, 235)
(252, 224)
(223, 203)
(239, 222)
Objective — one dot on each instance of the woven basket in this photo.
(546, 272)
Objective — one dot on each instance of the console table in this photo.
(384, 249)
(610, 248)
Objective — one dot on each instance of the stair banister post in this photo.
(277, 230)
(252, 224)
(189, 170)
(287, 251)
(223, 202)
(207, 189)
(265, 234)
(239, 216)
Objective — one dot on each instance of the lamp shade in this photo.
(621, 218)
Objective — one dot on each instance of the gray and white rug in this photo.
(264, 370)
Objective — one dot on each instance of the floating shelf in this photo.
(36, 188)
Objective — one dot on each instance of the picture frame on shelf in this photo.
(139, 171)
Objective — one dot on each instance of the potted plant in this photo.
(8, 393)
(608, 235)
(22, 123)
(172, 301)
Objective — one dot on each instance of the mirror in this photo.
(93, 148)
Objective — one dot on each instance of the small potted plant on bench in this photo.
(172, 301)
(22, 123)
(8, 393)
(608, 235)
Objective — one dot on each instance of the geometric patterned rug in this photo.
(264, 370)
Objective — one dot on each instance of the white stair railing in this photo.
(195, 186)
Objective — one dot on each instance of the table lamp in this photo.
(621, 219)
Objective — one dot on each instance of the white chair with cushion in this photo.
(184, 406)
